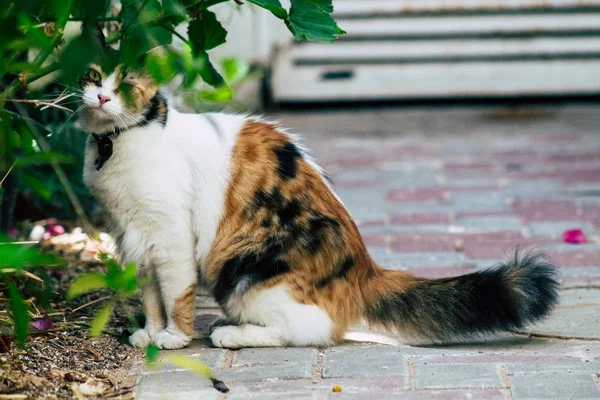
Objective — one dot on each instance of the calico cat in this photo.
(234, 202)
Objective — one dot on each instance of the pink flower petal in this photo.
(574, 236)
(56, 230)
(43, 324)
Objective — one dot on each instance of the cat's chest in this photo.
(140, 173)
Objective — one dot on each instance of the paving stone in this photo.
(469, 183)
(266, 356)
(581, 322)
(558, 386)
(470, 201)
(197, 350)
(417, 194)
(437, 376)
(546, 210)
(490, 223)
(435, 260)
(423, 242)
(575, 258)
(556, 229)
(422, 219)
(179, 385)
(423, 207)
(271, 363)
(363, 360)
(533, 189)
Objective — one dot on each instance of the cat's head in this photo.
(112, 95)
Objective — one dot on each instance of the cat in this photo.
(236, 203)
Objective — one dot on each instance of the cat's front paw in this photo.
(167, 339)
(228, 337)
(140, 338)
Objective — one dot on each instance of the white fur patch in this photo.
(298, 324)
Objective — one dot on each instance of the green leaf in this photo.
(206, 33)
(174, 13)
(17, 256)
(207, 71)
(77, 56)
(152, 353)
(311, 20)
(271, 5)
(87, 283)
(161, 67)
(129, 278)
(20, 314)
(38, 187)
(139, 40)
(191, 364)
(44, 158)
(101, 320)
(221, 94)
(235, 69)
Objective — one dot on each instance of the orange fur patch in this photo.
(183, 310)
(326, 260)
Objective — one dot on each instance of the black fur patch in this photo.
(318, 228)
(287, 161)
(249, 268)
(286, 210)
(516, 293)
(341, 271)
(153, 112)
(285, 233)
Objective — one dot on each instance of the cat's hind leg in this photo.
(272, 318)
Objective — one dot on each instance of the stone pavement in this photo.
(440, 193)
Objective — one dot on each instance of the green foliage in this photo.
(101, 320)
(122, 281)
(272, 5)
(206, 33)
(20, 314)
(15, 259)
(87, 283)
(20, 257)
(311, 20)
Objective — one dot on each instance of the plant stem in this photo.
(38, 103)
(174, 32)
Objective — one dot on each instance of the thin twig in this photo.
(7, 172)
(90, 303)
(174, 32)
(60, 99)
(38, 103)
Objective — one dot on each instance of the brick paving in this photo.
(440, 193)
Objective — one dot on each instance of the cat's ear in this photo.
(94, 31)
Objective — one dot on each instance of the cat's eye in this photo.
(94, 75)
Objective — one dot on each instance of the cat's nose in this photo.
(103, 99)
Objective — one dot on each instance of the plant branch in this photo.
(174, 32)
(38, 103)
(7, 173)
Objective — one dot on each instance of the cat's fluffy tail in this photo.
(518, 292)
